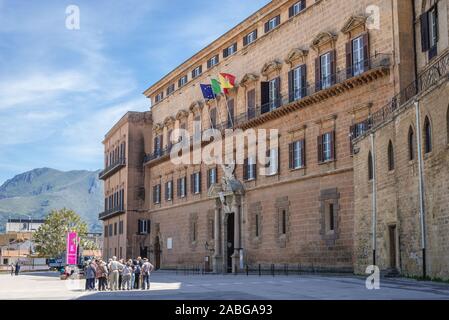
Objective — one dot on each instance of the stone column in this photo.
(236, 255)
(217, 262)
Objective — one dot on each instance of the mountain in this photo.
(36, 192)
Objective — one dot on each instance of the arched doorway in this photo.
(157, 253)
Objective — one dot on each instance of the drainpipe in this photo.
(374, 198)
(422, 211)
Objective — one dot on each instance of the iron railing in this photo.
(431, 76)
(111, 212)
(111, 169)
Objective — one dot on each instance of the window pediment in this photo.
(158, 127)
(182, 114)
(169, 121)
(322, 39)
(248, 79)
(272, 66)
(296, 54)
(196, 106)
(354, 22)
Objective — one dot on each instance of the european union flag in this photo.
(207, 91)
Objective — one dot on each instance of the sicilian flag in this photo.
(227, 81)
(206, 89)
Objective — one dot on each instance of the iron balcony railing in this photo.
(430, 77)
(111, 169)
(111, 212)
(377, 61)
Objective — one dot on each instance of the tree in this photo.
(50, 238)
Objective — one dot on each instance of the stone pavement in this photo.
(170, 286)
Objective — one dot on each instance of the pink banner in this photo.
(72, 251)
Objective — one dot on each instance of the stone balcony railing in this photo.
(111, 213)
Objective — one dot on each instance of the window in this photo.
(390, 156)
(157, 144)
(230, 122)
(169, 190)
(331, 218)
(358, 56)
(105, 231)
(211, 177)
(297, 154)
(196, 183)
(272, 23)
(157, 194)
(230, 50)
(370, 167)
(411, 144)
(194, 231)
(159, 97)
(296, 8)
(325, 70)
(284, 222)
(297, 83)
(212, 61)
(110, 230)
(182, 81)
(197, 128)
(250, 38)
(143, 226)
(427, 136)
(197, 71)
(182, 192)
(257, 225)
(429, 31)
(249, 169)
(213, 118)
(120, 227)
(274, 93)
(170, 89)
(273, 165)
(251, 103)
(326, 147)
(115, 228)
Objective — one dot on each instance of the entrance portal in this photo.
(230, 242)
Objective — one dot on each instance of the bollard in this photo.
(272, 270)
(247, 271)
(259, 271)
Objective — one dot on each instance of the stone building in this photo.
(124, 184)
(401, 165)
(314, 70)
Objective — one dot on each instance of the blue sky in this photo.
(61, 90)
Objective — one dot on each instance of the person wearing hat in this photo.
(115, 268)
(147, 268)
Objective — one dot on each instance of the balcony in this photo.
(113, 168)
(345, 79)
(111, 213)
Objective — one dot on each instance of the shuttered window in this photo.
(296, 8)
(250, 38)
(272, 23)
(230, 122)
(170, 89)
(297, 83)
(297, 154)
(182, 81)
(197, 71)
(251, 103)
(326, 147)
(429, 31)
(181, 187)
(169, 190)
(157, 194)
(230, 50)
(249, 169)
(195, 183)
(212, 61)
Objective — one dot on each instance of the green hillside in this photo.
(38, 191)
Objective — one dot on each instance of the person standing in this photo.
(90, 275)
(17, 268)
(136, 274)
(98, 273)
(115, 270)
(12, 269)
(147, 268)
(126, 277)
(103, 271)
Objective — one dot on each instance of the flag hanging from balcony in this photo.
(216, 87)
(206, 89)
(227, 81)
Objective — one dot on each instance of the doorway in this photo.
(157, 253)
(230, 242)
(393, 249)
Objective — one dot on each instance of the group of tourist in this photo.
(118, 274)
(15, 268)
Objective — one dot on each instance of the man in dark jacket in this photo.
(137, 270)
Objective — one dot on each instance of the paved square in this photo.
(172, 286)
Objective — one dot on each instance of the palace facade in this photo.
(315, 70)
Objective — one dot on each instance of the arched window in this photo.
(427, 136)
(390, 156)
(411, 144)
(370, 166)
